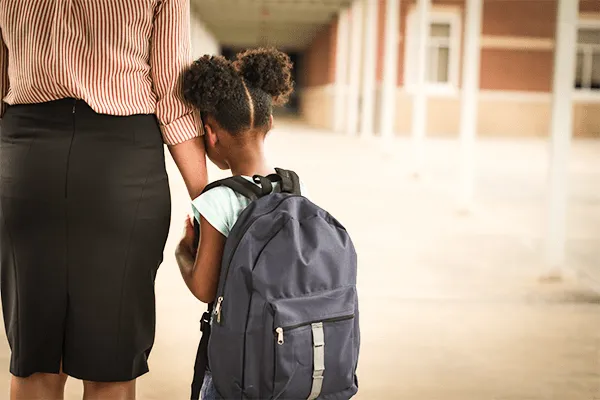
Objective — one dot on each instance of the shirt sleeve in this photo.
(170, 55)
(3, 75)
(217, 208)
(304, 190)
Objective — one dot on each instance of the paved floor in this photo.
(451, 305)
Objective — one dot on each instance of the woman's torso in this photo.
(97, 51)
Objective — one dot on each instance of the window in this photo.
(443, 51)
(587, 74)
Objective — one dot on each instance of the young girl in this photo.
(237, 101)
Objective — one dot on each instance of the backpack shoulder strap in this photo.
(201, 363)
(242, 186)
(290, 182)
(239, 185)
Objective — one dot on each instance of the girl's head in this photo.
(236, 98)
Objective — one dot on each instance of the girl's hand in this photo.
(201, 273)
(186, 246)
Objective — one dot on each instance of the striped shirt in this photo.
(122, 57)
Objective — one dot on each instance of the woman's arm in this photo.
(191, 162)
(201, 273)
(3, 75)
(180, 124)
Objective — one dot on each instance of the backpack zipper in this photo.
(218, 309)
(220, 299)
(281, 330)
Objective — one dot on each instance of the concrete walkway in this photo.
(451, 305)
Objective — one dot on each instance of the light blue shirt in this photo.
(221, 206)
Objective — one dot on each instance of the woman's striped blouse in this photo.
(122, 57)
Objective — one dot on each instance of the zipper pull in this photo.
(279, 336)
(218, 309)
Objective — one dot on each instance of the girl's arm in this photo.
(201, 272)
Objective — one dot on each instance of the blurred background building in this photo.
(432, 68)
(516, 59)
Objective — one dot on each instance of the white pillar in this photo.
(561, 132)
(355, 61)
(369, 76)
(419, 116)
(469, 104)
(341, 70)
(389, 84)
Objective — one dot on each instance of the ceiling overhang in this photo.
(286, 24)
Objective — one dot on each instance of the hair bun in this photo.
(267, 69)
(209, 81)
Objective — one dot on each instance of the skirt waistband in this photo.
(69, 116)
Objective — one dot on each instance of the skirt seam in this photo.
(126, 267)
(18, 299)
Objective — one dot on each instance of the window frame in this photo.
(585, 93)
(453, 19)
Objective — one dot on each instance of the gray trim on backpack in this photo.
(318, 360)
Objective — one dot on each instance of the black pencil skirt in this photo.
(84, 216)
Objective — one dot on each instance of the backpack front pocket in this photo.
(315, 346)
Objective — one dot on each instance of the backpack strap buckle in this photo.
(205, 321)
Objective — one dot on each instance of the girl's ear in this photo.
(271, 122)
(210, 135)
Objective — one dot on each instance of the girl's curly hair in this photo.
(240, 95)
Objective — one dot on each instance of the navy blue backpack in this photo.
(285, 321)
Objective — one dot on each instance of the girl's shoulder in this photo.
(220, 206)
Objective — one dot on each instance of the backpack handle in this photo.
(290, 182)
(266, 185)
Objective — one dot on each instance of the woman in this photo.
(92, 90)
